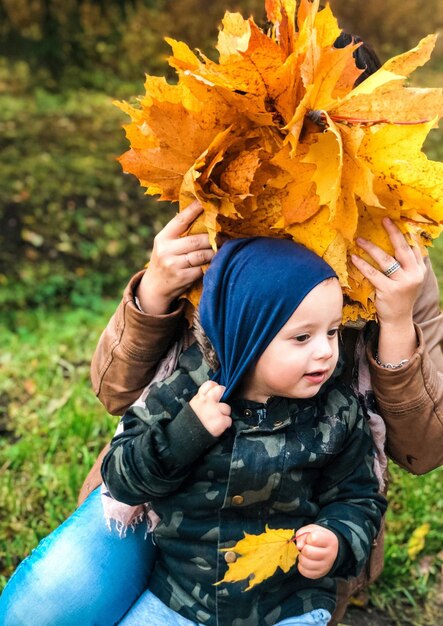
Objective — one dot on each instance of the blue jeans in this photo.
(81, 574)
(150, 610)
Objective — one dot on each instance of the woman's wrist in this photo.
(390, 366)
(396, 343)
(151, 300)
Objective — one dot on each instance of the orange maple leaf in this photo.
(275, 140)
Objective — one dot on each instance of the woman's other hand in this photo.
(397, 284)
(176, 262)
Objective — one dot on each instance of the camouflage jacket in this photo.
(285, 463)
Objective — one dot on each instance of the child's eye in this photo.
(332, 332)
(301, 338)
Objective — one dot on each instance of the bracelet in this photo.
(390, 366)
(137, 304)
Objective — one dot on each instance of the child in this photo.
(272, 439)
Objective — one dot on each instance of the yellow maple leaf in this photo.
(416, 541)
(273, 139)
(259, 556)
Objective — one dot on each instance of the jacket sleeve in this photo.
(129, 350)
(410, 399)
(157, 448)
(351, 504)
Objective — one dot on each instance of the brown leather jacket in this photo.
(409, 399)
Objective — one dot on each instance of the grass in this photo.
(408, 578)
(51, 424)
(52, 427)
(66, 212)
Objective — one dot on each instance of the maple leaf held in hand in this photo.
(275, 139)
(259, 556)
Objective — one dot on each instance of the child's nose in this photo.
(324, 349)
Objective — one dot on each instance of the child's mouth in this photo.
(316, 377)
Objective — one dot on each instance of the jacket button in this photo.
(237, 500)
(230, 557)
(247, 413)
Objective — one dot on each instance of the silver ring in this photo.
(392, 268)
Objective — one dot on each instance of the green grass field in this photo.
(52, 427)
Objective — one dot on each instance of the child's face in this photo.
(303, 355)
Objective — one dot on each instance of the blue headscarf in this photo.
(250, 290)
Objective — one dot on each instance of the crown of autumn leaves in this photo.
(275, 140)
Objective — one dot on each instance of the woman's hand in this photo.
(176, 262)
(318, 550)
(213, 414)
(395, 293)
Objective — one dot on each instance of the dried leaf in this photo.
(274, 140)
(30, 386)
(259, 556)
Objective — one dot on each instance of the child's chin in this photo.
(302, 395)
(311, 393)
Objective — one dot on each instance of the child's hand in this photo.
(213, 414)
(318, 550)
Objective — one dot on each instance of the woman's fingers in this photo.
(385, 261)
(405, 257)
(175, 264)
(174, 250)
(375, 276)
(403, 252)
(197, 258)
(180, 223)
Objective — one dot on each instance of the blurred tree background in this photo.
(73, 229)
(72, 224)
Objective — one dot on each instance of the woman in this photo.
(93, 577)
